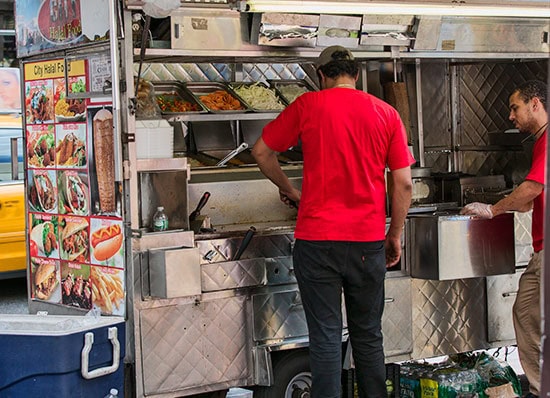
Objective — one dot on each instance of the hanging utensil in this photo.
(202, 202)
(232, 154)
(246, 240)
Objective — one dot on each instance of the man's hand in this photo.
(292, 198)
(481, 210)
(393, 250)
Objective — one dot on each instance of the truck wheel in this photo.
(292, 378)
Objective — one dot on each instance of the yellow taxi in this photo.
(12, 201)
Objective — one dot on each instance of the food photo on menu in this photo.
(70, 148)
(69, 109)
(106, 242)
(108, 289)
(76, 286)
(39, 106)
(74, 238)
(44, 241)
(40, 146)
(42, 191)
(106, 193)
(74, 197)
(45, 279)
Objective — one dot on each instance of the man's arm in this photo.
(400, 203)
(521, 198)
(270, 167)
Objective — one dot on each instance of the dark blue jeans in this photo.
(323, 269)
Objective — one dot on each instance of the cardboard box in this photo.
(284, 30)
(338, 30)
(41, 355)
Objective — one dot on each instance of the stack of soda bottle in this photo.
(460, 376)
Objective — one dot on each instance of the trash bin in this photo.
(61, 356)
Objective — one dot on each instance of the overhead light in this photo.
(394, 8)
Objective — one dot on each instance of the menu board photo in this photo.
(47, 25)
(76, 232)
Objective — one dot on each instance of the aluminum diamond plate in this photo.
(192, 345)
(524, 241)
(448, 316)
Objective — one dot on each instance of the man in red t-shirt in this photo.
(348, 138)
(529, 115)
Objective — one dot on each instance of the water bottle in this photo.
(113, 393)
(160, 220)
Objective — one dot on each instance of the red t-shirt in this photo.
(347, 137)
(537, 173)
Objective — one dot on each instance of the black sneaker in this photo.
(530, 395)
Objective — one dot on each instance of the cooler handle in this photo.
(85, 356)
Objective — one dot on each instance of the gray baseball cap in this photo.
(327, 55)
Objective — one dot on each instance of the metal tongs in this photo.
(232, 154)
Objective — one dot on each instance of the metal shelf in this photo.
(217, 117)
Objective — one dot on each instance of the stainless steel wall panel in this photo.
(233, 274)
(448, 316)
(280, 270)
(397, 317)
(184, 346)
(278, 315)
(435, 104)
(501, 294)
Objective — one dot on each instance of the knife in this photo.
(246, 240)
(202, 202)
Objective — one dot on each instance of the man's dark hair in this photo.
(340, 65)
(531, 89)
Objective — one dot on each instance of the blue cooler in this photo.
(61, 356)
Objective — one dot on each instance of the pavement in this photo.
(13, 296)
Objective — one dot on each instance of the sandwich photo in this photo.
(74, 239)
(45, 280)
(42, 194)
(106, 242)
(45, 237)
(74, 194)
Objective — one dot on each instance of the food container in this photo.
(206, 89)
(175, 91)
(258, 96)
(61, 356)
(289, 90)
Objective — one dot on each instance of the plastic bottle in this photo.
(113, 393)
(160, 220)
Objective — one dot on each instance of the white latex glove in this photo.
(481, 210)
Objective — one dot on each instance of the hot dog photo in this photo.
(106, 242)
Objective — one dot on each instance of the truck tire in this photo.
(292, 378)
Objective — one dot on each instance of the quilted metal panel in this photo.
(280, 270)
(524, 241)
(397, 317)
(436, 110)
(233, 274)
(278, 315)
(448, 316)
(191, 345)
(219, 72)
(501, 294)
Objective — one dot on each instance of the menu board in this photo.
(46, 25)
(76, 234)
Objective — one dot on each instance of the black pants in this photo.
(323, 269)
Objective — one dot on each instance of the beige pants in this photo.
(527, 321)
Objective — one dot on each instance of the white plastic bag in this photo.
(160, 8)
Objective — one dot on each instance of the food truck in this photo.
(120, 120)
